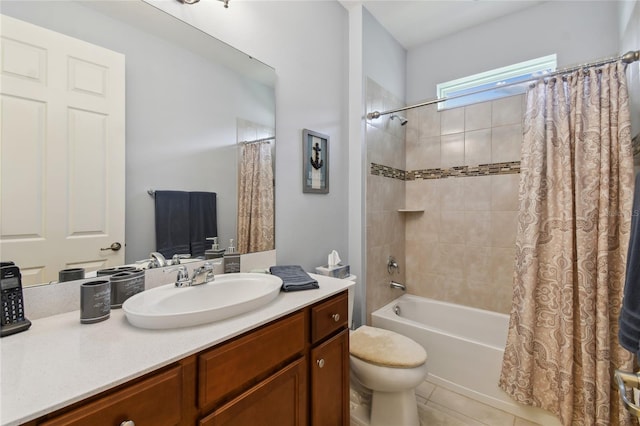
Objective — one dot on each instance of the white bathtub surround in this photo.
(59, 361)
(464, 346)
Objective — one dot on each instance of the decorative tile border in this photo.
(511, 167)
(635, 143)
(386, 171)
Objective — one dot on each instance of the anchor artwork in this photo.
(315, 177)
(316, 161)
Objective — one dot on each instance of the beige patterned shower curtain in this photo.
(255, 200)
(573, 230)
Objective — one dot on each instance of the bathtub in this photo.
(464, 348)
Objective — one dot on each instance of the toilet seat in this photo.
(386, 348)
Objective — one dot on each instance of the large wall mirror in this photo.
(191, 102)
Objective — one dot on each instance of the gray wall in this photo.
(181, 112)
(384, 59)
(578, 31)
(306, 43)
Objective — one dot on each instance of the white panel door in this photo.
(62, 147)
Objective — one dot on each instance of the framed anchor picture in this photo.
(315, 157)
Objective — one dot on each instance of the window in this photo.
(496, 78)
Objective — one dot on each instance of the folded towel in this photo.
(629, 334)
(172, 222)
(294, 278)
(203, 221)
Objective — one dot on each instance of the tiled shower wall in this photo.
(385, 232)
(460, 166)
(461, 249)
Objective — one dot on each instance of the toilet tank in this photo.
(351, 294)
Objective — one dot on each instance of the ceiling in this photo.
(413, 23)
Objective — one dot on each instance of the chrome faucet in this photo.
(182, 280)
(392, 265)
(394, 284)
(175, 260)
(203, 274)
(157, 260)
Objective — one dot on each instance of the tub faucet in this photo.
(394, 284)
(392, 265)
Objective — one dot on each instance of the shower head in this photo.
(403, 120)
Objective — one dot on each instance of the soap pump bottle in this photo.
(231, 259)
(215, 252)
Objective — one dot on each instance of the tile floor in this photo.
(438, 406)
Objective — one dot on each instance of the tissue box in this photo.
(340, 271)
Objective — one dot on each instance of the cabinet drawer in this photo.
(153, 401)
(329, 316)
(233, 366)
(280, 400)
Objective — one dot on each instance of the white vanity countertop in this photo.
(60, 361)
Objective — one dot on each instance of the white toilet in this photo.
(391, 366)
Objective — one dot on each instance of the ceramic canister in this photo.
(70, 274)
(95, 301)
(124, 285)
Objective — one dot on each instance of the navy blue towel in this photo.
(172, 222)
(629, 334)
(203, 221)
(294, 278)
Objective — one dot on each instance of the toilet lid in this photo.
(386, 348)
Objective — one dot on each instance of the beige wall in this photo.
(385, 195)
(461, 248)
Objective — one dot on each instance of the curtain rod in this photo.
(258, 140)
(627, 58)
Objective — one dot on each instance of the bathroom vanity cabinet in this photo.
(291, 371)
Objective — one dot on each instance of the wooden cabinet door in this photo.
(280, 400)
(231, 367)
(330, 382)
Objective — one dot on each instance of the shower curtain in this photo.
(573, 230)
(255, 200)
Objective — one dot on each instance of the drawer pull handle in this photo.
(128, 423)
(320, 362)
(336, 317)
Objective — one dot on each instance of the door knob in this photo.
(115, 247)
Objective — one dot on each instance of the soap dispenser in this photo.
(215, 252)
(231, 259)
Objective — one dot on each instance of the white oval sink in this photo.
(229, 295)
